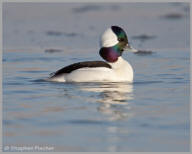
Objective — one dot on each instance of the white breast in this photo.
(123, 70)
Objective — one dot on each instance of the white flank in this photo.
(121, 72)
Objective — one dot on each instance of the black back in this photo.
(75, 66)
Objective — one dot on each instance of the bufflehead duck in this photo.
(114, 69)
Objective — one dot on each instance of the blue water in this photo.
(152, 114)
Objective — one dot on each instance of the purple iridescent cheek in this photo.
(109, 54)
(112, 56)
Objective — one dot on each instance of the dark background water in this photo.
(152, 114)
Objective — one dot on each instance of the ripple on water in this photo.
(147, 82)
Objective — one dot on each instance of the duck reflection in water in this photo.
(114, 99)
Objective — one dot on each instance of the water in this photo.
(152, 114)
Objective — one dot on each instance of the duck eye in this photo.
(121, 39)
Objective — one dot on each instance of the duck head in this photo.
(113, 42)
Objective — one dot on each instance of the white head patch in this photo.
(108, 38)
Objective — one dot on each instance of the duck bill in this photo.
(130, 48)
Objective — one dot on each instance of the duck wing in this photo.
(75, 66)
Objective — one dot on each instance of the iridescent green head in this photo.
(121, 37)
(113, 42)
